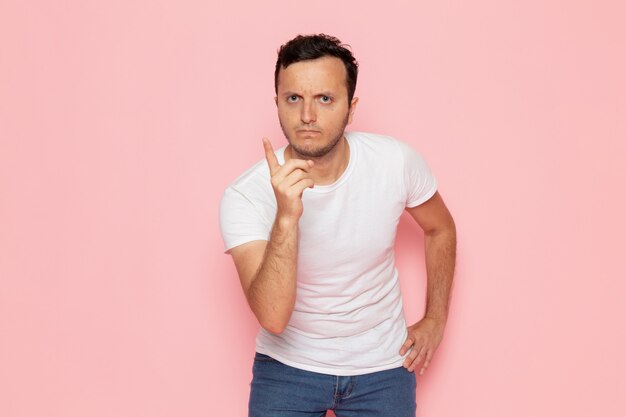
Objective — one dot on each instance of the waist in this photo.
(375, 349)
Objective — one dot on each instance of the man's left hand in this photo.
(424, 336)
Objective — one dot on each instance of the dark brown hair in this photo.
(302, 48)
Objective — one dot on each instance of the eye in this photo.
(325, 99)
(292, 98)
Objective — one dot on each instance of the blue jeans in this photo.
(279, 390)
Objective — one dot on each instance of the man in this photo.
(311, 230)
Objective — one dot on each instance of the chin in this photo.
(313, 151)
(312, 146)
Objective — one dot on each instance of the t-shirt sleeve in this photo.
(419, 181)
(240, 220)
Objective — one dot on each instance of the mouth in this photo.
(308, 131)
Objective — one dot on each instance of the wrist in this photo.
(440, 320)
(285, 221)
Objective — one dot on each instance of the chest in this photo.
(356, 223)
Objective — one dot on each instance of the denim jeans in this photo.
(279, 390)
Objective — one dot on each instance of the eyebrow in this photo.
(323, 93)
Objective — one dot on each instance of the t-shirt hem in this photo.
(333, 371)
(241, 242)
(424, 198)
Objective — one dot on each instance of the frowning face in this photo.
(313, 108)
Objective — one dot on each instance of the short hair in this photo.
(307, 47)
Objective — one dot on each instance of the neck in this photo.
(328, 168)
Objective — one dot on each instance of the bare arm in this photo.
(440, 253)
(267, 269)
(440, 249)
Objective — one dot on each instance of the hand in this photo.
(424, 336)
(289, 182)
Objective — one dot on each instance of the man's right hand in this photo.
(267, 269)
(289, 182)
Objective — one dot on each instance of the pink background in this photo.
(121, 122)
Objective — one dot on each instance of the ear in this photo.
(353, 104)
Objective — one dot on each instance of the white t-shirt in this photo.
(348, 317)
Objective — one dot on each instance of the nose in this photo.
(308, 114)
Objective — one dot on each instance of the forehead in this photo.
(323, 73)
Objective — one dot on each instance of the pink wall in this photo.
(121, 122)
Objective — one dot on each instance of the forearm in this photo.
(440, 248)
(272, 293)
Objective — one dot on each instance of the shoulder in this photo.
(250, 178)
(251, 191)
(371, 139)
(247, 206)
(379, 144)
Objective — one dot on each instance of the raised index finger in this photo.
(270, 156)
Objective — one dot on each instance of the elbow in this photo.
(274, 320)
(276, 330)
(447, 228)
(274, 325)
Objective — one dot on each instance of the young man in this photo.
(311, 230)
